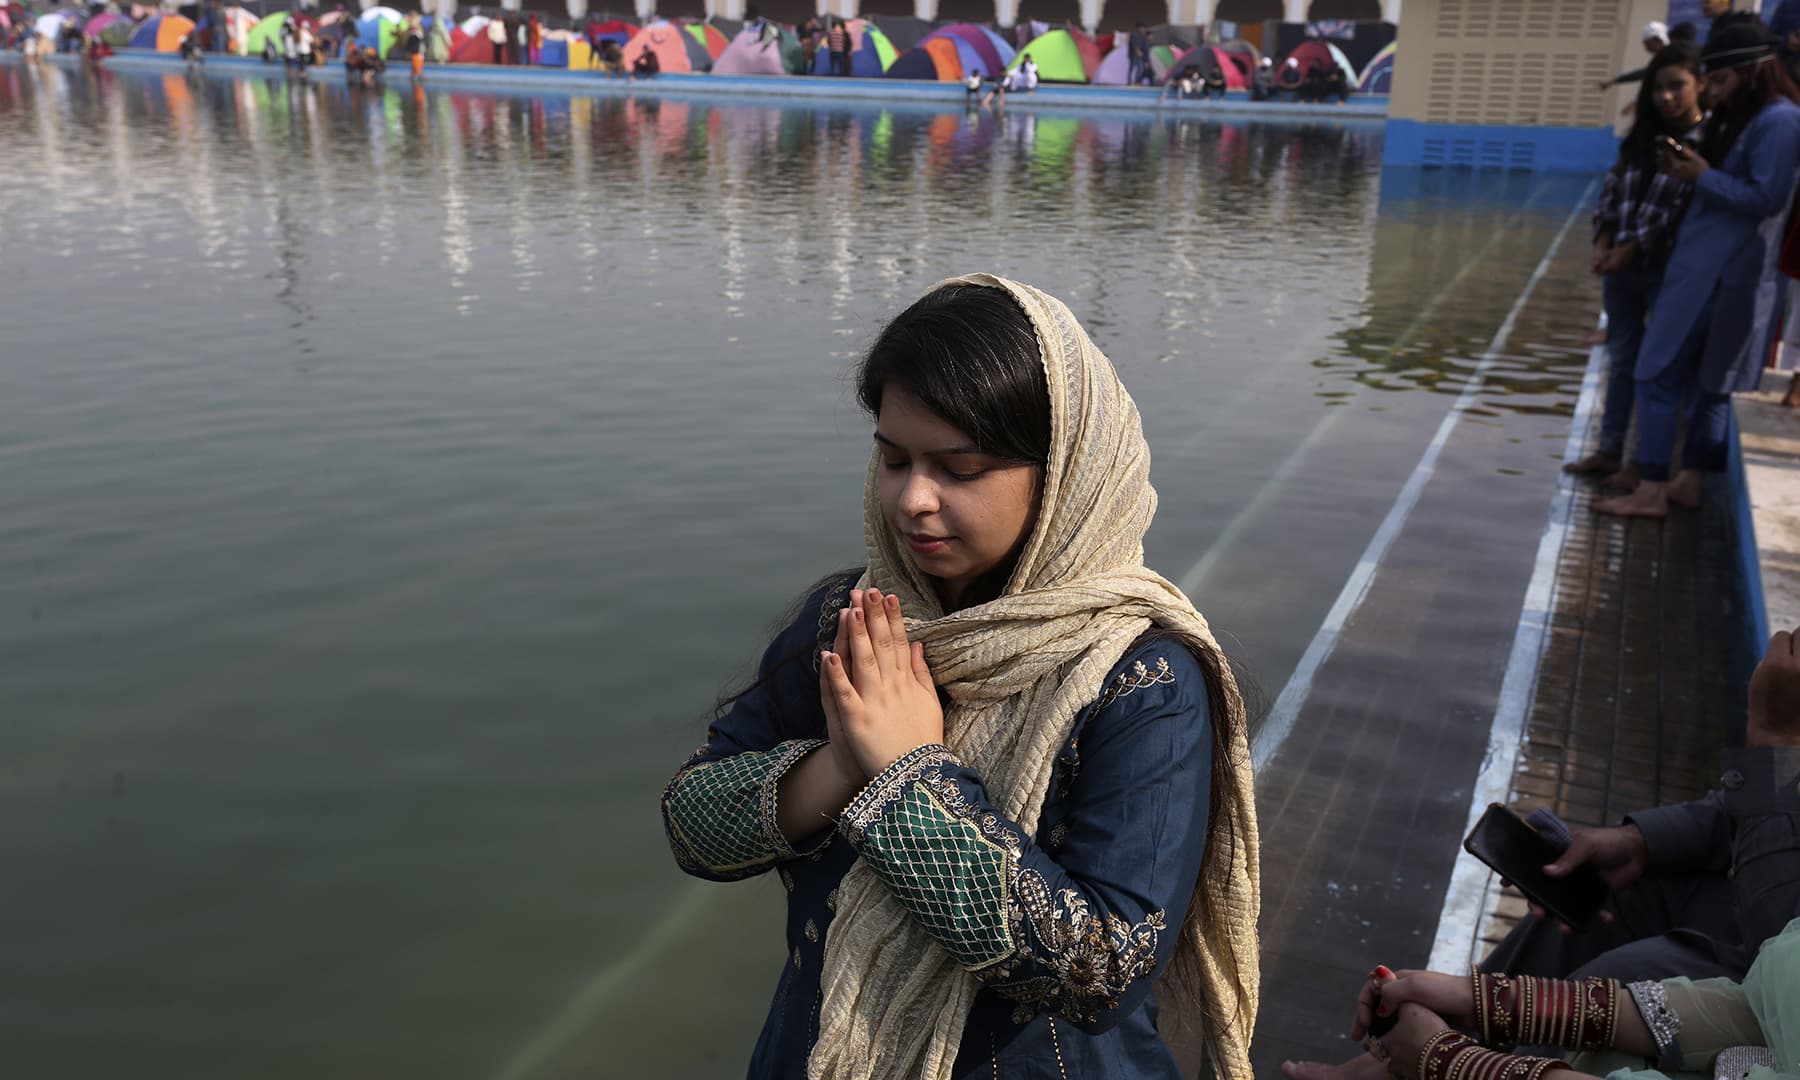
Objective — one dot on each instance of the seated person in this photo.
(1022, 79)
(1313, 88)
(1291, 78)
(612, 57)
(1700, 889)
(1337, 85)
(1262, 83)
(1647, 1030)
(1215, 83)
(646, 66)
(1185, 88)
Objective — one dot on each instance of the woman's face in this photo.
(1677, 93)
(959, 511)
(1722, 86)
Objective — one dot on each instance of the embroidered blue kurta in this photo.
(1722, 290)
(1068, 920)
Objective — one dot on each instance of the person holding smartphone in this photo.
(1634, 229)
(1710, 328)
(1707, 890)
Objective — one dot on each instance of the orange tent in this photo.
(663, 39)
(935, 59)
(162, 33)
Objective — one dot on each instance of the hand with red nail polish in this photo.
(1383, 993)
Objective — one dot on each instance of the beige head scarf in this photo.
(1018, 670)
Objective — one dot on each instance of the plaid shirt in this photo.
(1643, 205)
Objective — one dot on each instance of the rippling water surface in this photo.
(391, 479)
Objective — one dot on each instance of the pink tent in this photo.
(749, 54)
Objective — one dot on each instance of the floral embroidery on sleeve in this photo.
(960, 869)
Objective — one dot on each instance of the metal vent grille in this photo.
(1469, 152)
(1518, 62)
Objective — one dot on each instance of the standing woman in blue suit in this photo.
(1709, 329)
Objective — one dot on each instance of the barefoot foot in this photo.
(1594, 463)
(1625, 481)
(1650, 500)
(1685, 490)
(1363, 1067)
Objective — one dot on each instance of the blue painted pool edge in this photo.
(813, 88)
(1752, 608)
(1495, 146)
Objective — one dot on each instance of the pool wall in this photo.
(823, 89)
(1499, 146)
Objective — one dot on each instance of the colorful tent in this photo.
(556, 48)
(979, 56)
(475, 48)
(1115, 70)
(709, 38)
(1061, 56)
(118, 34)
(905, 31)
(238, 24)
(377, 28)
(751, 54)
(268, 29)
(614, 30)
(1162, 58)
(936, 59)
(475, 24)
(1314, 52)
(100, 22)
(670, 45)
(1001, 46)
(162, 33)
(871, 53)
(1378, 76)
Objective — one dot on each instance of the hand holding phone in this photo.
(1672, 146)
(1520, 853)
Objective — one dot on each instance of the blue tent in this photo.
(554, 53)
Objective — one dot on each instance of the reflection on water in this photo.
(392, 476)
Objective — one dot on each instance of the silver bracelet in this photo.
(1665, 1027)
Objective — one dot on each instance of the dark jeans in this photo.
(1663, 927)
(1659, 405)
(840, 63)
(1627, 297)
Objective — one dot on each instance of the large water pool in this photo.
(391, 479)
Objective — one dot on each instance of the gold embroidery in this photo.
(828, 609)
(831, 901)
(787, 879)
(812, 931)
(1058, 834)
(1129, 682)
(796, 959)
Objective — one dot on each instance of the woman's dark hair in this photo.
(970, 355)
(1640, 143)
(1763, 84)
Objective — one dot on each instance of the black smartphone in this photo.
(1672, 145)
(1519, 853)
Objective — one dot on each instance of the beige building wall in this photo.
(1513, 62)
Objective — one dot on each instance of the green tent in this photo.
(791, 57)
(118, 33)
(1056, 56)
(268, 29)
(884, 49)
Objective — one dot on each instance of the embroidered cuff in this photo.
(1665, 1027)
(893, 781)
(720, 814)
(788, 754)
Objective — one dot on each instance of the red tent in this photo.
(1089, 52)
(473, 48)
